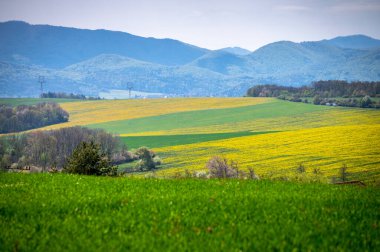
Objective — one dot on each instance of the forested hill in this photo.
(58, 47)
(91, 62)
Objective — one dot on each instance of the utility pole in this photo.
(41, 80)
(129, 87)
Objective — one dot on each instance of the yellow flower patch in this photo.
(325, 148)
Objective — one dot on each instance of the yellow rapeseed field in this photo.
(279, 154)
(90, 112)
(324, 139)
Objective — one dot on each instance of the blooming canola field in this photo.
(271, 136)
(320, 150)
(321, 138)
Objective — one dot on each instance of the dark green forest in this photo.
(24, 117)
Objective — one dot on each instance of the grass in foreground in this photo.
(44, 212)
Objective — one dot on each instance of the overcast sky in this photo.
(211, 24)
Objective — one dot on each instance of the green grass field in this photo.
(32, 101)
(56, 212)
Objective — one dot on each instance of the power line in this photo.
(129, 87)
(41, 80)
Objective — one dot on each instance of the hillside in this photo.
(290, 63)
(354, 42)
(94, 61)
(272, 136)
(176, 206)
(57, 47)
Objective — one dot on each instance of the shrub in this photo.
(365, 102)
(87, 159)
(201, 174)
(220, 168)
(317, 100)
(146, 162)
(343, 173)
(123, 156)
(301, 168)
(157, 160)
(252, 174)
(317, 171)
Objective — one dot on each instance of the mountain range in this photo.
(94, 61)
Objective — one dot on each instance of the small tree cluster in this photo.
(87, 159)
(364, 102)
(147, 159)
(67, 96)
(219, 167)
(51, 148)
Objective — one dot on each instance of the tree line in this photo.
(68, 96)
(73, 149)
(355, 94)
(25, 117)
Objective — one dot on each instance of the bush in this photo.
(365, 102)
(317, 100)
(252, 174)
(123, 156)
(87, 159)
(301, 168)
(343, 173)
(220, 168)
(146, 162)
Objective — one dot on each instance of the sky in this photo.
(211, 24)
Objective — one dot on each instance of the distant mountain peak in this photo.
(58, 47)
(236, 50)
(357, 41)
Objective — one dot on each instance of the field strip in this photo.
(172, 140)
(90, 112)
(209, 117)
(313, 119)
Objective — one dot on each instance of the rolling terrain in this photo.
(272, 136)
(143, 212)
